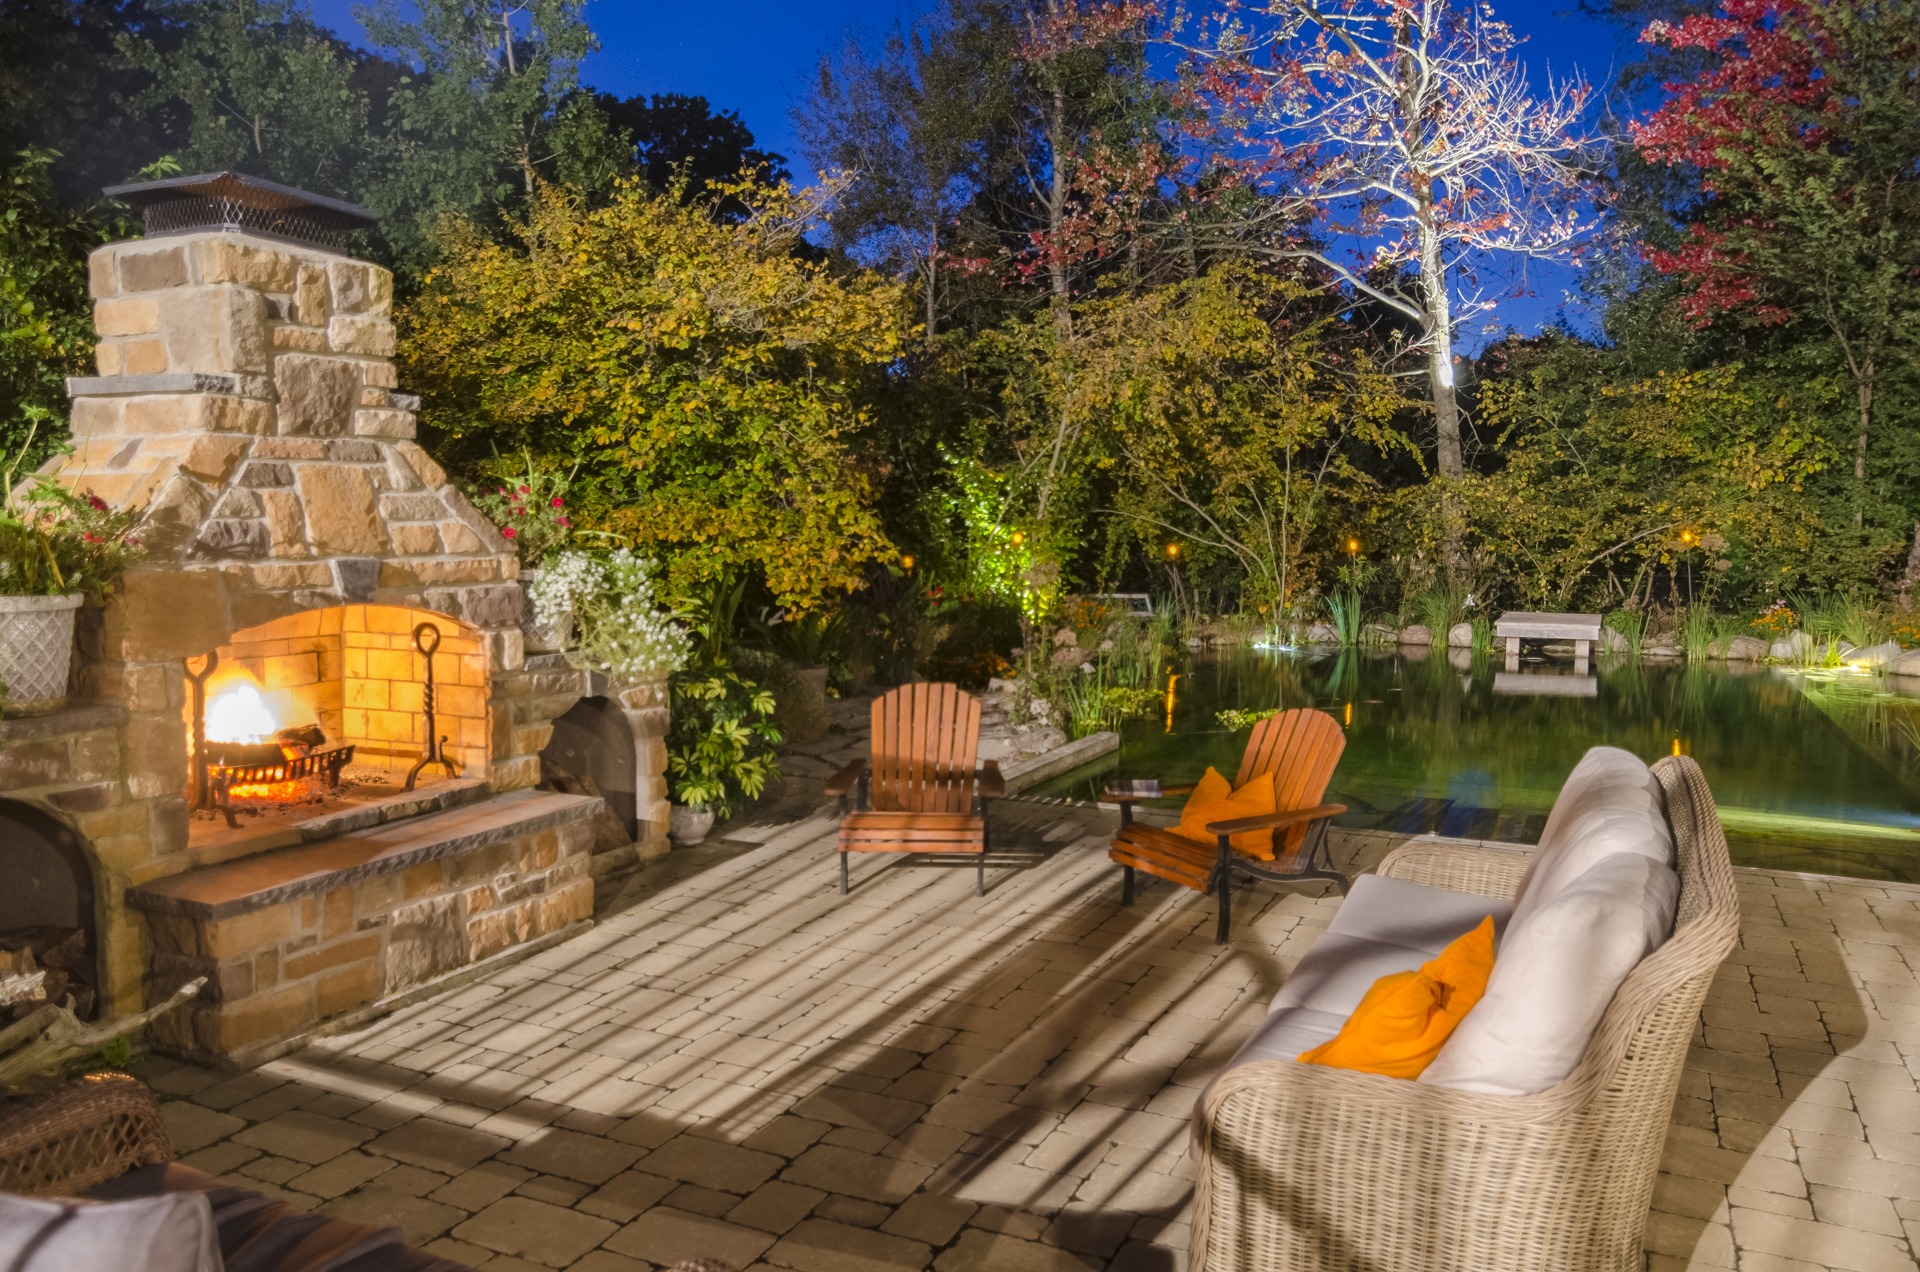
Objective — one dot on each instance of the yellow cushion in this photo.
(1400, 1025)
(1214, 800)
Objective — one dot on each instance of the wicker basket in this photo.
(76, 1138)
(1307, 1167)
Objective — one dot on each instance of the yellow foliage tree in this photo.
(710, 381)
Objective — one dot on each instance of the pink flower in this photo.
(526, 490)
(563, 522)
(508, 532)
(557, 501)
(99, 504)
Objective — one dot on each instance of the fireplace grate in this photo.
(222, 778)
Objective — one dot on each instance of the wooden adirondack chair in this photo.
(1299, 748)
(926, 791)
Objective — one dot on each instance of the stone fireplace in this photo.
(309, 572)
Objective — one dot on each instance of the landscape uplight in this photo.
(1173, 552)
(906, 561)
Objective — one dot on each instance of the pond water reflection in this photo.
(1813, 770)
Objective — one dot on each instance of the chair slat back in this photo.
(1300, 748)
(926, 742)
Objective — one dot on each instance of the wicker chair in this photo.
(79, 1136)
(1306, 1167)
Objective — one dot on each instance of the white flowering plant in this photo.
(620, 626)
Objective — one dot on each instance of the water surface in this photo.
(1812, 770)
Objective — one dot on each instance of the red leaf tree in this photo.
(1804, 132)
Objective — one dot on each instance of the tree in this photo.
(265, 90)
(910, 152)
(674, 135)
(1606, 481)
(1804, 134)
(1408, 128)
(46, 319)
(709, 381)
(65, 87)
(479, 114)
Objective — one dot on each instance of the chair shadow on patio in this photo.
(910, 1074)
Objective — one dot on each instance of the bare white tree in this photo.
(1406, 132)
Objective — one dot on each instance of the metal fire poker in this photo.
(426, 639)
(201, 796)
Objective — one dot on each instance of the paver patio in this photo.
(737, 1062)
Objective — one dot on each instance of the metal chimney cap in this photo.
(235, 201)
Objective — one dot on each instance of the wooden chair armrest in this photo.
(1183, 789)
(992, 784)
(843, 781)
(1273, 821)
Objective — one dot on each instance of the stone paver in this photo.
(737, 1062)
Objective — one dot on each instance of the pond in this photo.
(1813, 770)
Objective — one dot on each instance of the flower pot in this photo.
(800, 709)
(687, 826)
(36, 650)
(540, 638)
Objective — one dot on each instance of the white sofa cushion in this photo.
(1611, 803)
(1285, 1033)
(1555, 975)
(171, 1232)
(1384, 926)
(1414, 914)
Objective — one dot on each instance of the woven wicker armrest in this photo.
(76, 1137)
(843, 781)
(1460, 865)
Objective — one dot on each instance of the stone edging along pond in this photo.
(1795, 649)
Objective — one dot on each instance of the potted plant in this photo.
(532, 515)
(720, 747)
(620, 629)
(58, 549)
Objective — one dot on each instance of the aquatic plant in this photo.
(1438, 607)
(1701, 630)
(1235, 718)
(1846, 616)
(1631, 625)
(1344, 616)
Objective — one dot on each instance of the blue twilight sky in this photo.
(758, 57)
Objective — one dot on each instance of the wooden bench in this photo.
(1518, 625)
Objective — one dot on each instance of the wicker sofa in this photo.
(1306, 1167)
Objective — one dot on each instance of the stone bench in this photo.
(1518, 625)
(342, 930)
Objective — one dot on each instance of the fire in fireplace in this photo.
(243, 756)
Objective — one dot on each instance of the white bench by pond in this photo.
(1518, 625)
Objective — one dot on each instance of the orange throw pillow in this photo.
(1399, 1026)
(1213, 800)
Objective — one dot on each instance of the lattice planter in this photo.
(36, 651)
(542, 638)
